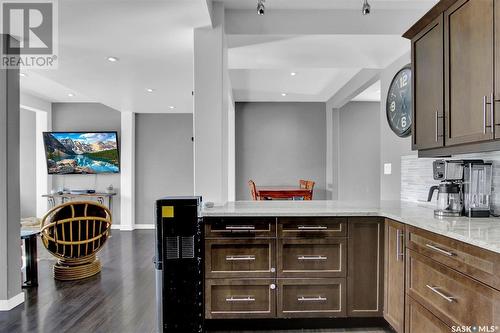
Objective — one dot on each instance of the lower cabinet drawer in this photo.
(316, 298)
(248, 258)
(240, 299)
(312, 257)
(453, 297)
(421, 320)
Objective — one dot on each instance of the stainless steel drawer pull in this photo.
(312, 227)
(312, 299)
(435, 290)
(240, 227)
(435, 248)
(240, 258)
(241, 299)
(312, 257)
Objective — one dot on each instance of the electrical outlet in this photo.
(387, 168)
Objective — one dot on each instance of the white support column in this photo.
(127, 175)
(211, 110)
(11, 294)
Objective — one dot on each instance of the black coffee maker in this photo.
(449, 197)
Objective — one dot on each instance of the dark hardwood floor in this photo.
(120, 299)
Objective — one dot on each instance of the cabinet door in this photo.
(496, 119)
(428, 86)
(469, 71)
(421, 320)
(394, 287)
(365, 272)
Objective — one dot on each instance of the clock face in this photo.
(399, 103)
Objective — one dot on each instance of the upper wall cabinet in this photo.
(469, 45)
(454, 73)
(428, 75)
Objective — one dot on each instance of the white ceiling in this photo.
(153, 40)
(308, 85)
(260, 63)
(260, 66)
(371, 94)
(330, 4)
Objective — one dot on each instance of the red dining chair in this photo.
(308, 185)
(253, 190)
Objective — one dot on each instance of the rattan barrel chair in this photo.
(74, 232)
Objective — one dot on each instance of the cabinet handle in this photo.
(437, 126)
(435, 290)
(492, 118)
(240, 258)
(484, 113)
(399, 244)
(312, 299)
(435, 248)
(240, 299)
(312, 227)
(240, 227)
(312, 258)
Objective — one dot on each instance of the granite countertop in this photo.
(481, 232)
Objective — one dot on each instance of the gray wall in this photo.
(392, 147)
(164, 160)
(87, 117)
(280, 143)
(28, 162)
(359, 151)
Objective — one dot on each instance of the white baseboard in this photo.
(135, 227)
(9, 304)
(144, 226)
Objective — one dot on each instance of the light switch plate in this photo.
(387, 168)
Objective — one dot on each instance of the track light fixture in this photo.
(261, 9)
(366, 7)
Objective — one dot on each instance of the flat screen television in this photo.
(81, 152)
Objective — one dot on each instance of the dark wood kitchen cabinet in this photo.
(428, 86)
(394, 281)
(365, 267)
(469, 57)
(455, 94)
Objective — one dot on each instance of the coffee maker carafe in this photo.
(449, 200)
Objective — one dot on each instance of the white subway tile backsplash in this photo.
(416, 176)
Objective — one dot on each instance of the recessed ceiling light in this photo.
(112, 59)
(22, 75)
(171, 107)
(293, 73)
(149, 90)
(71, 95)
(283, 94)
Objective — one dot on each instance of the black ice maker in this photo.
(178, 262)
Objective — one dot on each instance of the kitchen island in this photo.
(339, 259)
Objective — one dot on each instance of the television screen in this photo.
(81, 152)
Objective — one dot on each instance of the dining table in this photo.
(283, 192)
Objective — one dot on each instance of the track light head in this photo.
(366, 8)
(261, 9)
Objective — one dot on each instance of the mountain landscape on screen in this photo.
(81, 153)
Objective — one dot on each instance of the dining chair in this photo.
(253, 190)
(308, 185)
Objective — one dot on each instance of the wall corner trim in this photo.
(9, 304)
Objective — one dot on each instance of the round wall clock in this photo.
(398, 107)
